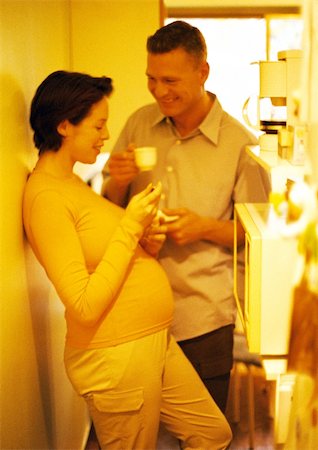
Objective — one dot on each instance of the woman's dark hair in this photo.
(178, 34)
(63, 96)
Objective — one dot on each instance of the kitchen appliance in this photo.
(266, 306)
(269, 277)
(277, 101)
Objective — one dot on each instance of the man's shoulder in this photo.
(149, 112)
(238, 129)
(221, 124)
(139, 126)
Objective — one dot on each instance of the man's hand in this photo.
(189, 227)
(122, 167)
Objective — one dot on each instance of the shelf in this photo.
(280, 169)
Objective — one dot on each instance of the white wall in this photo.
(38, 407)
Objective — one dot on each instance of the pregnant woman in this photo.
(119, 354)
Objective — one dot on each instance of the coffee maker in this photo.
(277, 113)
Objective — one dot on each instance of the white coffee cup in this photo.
(146, 157)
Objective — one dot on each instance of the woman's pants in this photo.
(130, 388)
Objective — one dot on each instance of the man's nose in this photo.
(160, 90)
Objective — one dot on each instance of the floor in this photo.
(263, 429)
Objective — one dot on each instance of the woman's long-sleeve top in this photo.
(113, 291)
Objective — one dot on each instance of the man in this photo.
(204, 170)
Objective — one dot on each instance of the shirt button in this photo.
(169, 169)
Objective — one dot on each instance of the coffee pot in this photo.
(275, 109)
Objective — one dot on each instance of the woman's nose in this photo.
(105, 135)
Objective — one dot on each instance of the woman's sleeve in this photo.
(53, 235)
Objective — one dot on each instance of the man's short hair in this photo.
(178, 34)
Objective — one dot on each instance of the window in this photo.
(234, 44)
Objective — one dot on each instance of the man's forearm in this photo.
(222, 232)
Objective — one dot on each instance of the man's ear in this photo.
(205, 70)
(62, 128)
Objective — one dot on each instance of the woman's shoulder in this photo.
(38, 182)
(41, 187)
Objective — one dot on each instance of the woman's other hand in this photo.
(143, 207)
(154, 237)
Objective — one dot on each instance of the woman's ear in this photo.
(62, 128)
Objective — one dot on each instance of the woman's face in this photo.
(85, 140)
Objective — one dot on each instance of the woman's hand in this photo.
(143, 207)
(154, 237)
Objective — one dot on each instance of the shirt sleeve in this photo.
(52, 232)
(253, 183)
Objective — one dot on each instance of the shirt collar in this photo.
(210, 125)
(158, 117)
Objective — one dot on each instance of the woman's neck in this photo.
(55, 163)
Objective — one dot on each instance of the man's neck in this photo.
(188, 123)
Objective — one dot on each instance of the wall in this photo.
(38, 407)
(115, 45)
(34, 388)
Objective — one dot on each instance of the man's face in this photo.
(176, 80)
